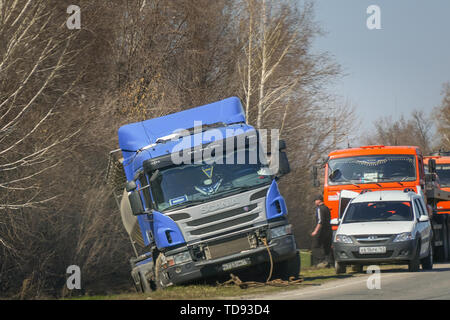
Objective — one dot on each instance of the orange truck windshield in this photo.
(443, 171)
(371, 169)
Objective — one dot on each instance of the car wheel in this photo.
(340, 267)
(427, 262)
(414, 264)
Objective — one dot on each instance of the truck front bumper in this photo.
(396, 253)
(281, 249)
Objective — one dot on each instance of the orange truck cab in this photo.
(443, 178)
(371, 168)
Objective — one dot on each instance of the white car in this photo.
(382, 227)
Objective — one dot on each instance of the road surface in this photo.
(392, 284)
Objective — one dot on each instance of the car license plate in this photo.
(372, 250)
(236, 264)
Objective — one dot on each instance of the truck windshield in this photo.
(371, 169)
(188, 184)
(443, 172)
(378, 211)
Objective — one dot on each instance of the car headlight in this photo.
(343, 238)
(405, 236)
(178, 258)
(280, 231)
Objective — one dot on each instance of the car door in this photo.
(423, 228)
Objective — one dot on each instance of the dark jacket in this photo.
(323, 217)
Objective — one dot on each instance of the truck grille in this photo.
(222, 217)
(222, 220)
(227, 248)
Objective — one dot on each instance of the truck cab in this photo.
(371, 168)
(201, 197)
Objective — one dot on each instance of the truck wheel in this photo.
(340, 267)
(427, 262)
(441, 252)
(414, 264)
(445, 242)
(146, 287)
(288, 268)
(161, 280)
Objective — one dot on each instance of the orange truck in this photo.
(349, 172)
(439, 165)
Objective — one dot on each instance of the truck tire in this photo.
(340, 267)
(146, 286)
(414, 264)
(441, 252)
(161, 280)
(446, 245)
(427, 262)
(288, 268)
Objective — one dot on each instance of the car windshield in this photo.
(378, 211)
(183, 185)
(443, 172)
(371, 169)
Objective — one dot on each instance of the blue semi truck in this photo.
(199, 198)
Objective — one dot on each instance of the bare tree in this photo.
(415, 131)
(442, 118)
(33, 56)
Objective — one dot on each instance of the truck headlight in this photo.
(280, 231)
(405, 236)
(178, 258)
(343, 238)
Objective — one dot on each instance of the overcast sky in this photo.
(393, 70)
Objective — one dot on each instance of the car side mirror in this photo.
(335, 221)
(424, 218)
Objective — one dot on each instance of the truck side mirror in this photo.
(281, 145)
(284, 167)
(131, 186)
(432, 166)
(316, 182)
(135, 203)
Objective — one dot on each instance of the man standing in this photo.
(322, 234)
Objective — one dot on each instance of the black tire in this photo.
(288, 268)
(161, 280)
(340, 267)
(442, 252)
(146, 287)
(427, 262)
(414, 264)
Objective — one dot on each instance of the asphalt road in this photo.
(396, 284)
